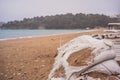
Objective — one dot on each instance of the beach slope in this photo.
(32, 58)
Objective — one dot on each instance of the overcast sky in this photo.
(19, 9)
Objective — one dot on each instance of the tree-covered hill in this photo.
(1, 23)
(66, 21)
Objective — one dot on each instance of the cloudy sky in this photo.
(19, 9)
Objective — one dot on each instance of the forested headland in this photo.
(62, 21)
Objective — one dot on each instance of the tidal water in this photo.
(14, 34)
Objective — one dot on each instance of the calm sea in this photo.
(13, 34)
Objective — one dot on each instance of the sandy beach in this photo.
(32, 58)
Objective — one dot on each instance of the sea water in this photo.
(15, 34)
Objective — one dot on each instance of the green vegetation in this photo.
(66, 21)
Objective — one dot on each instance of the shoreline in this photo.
(27, 37)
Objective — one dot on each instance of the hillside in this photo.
(66, 21)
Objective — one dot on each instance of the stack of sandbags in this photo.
(99, 58)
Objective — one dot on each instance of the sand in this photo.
(32, 58)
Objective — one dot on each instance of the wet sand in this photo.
(32, 58)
